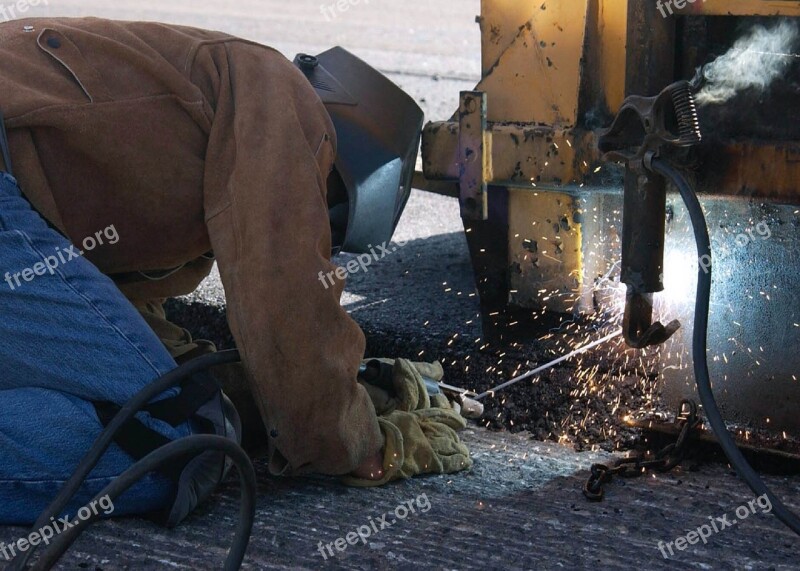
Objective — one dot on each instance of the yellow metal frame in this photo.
(541, 62)
(545, 65)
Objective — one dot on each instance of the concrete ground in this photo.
(520, 507)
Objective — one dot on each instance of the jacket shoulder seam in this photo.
(191, 57)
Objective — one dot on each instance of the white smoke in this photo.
(755, 60)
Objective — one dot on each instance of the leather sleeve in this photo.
(271, 147)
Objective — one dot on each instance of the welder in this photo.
(139, 154)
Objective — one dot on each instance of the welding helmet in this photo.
(378, 128)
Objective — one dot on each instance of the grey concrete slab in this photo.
(520, 507)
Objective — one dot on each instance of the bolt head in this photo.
(307, 61)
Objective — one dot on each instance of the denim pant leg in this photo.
(67, 337)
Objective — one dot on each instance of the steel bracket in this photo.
(474, 155)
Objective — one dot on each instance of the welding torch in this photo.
(379, 374)
(646, 129)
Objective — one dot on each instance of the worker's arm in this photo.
(270, 150)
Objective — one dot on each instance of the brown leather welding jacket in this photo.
(190, 141)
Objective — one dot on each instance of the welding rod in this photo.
(549, 365)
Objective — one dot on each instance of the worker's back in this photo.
(106, 126)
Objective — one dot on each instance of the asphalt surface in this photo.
(520, 507)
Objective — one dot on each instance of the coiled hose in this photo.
(182, 449)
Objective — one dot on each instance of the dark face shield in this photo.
(378, 128)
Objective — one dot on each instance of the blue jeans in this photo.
(68, 337)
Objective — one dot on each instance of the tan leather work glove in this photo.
(420, 435)
(409, 388)
(419, 442)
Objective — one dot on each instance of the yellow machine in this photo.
(543, 210)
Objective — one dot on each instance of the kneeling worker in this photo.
(136, 155)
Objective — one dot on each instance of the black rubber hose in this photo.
(699, 349)
(187, 447)
(106, 437)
